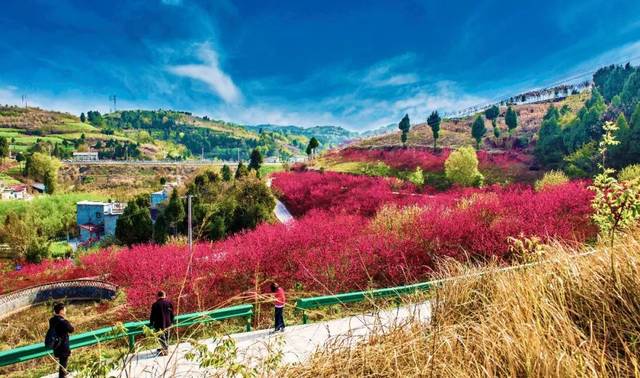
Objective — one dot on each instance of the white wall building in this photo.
(85, 156)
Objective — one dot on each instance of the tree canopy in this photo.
(434, 122)
(478, 130)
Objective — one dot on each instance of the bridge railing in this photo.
(129, 330)
(304, 304)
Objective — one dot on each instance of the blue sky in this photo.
(356, 64)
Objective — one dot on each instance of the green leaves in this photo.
(616, 204)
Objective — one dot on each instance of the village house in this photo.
(85, 156)
(160, 196)
(97, 219)
(14, 192)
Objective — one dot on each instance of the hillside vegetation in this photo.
(456, 132)
(570, 316)
(155, 134)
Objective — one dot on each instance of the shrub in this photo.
(629, 173)
(462, 167)
(551, 178)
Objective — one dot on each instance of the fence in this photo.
(304, 304)
(82, 289)
(128, 330)
(132, 329)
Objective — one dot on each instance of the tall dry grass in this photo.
(567, 317)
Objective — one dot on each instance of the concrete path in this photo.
(280, 211)
(297, 343)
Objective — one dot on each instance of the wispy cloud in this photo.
(210, 73)
(352, 110)
(391, 72)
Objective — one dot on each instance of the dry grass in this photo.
(570, 317)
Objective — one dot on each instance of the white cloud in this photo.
(387, 72)
(351, 110)
(210, 73)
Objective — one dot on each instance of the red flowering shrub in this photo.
(37, 274)
(511, 162)
(338, 248)
(338, 192)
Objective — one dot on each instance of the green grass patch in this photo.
(8, 180)
(59, 249)
(271, 168)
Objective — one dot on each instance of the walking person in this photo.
(57, 338)
(161, 319)
(279, 302)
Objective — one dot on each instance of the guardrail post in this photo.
(305, 319)
(132, 342)
(248, 325)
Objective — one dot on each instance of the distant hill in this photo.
(328, 136)
(146, 134)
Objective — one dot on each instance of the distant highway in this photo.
(179, 163)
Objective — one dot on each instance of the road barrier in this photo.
(132, 329)
(128, 330)
(304, 304)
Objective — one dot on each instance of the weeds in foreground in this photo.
(570, 316)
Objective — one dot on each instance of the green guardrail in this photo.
(133, 329)
(304, 304)
(33, 351)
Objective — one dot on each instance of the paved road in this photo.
(280, 211)
(297, 343)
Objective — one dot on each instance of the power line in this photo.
(574, 78)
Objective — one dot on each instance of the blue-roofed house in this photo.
(159, 197)
(97, 219)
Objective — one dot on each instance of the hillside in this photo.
(328, 136)
(457, 132)
(158, 134)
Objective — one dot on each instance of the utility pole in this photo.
(112, 98)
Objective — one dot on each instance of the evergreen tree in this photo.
(255, 161)
(478, 130)
(404, 126)
(226, 173)
(134, 226)
(160, 229)
(312, 146)
(50, 181)
(511, 119)
(617, 155)
(5, 149)
(434, 122)
(492, 115)
(174, 212)
(82, 117)
(549, 149)
(241, 171)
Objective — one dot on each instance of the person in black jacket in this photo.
(63, 328)
(161, 319)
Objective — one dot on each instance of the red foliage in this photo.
(38, 274)
(337, 250)
(410, 158)
(343, 193)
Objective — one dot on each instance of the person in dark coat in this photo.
(161, 319)
(63, 328)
